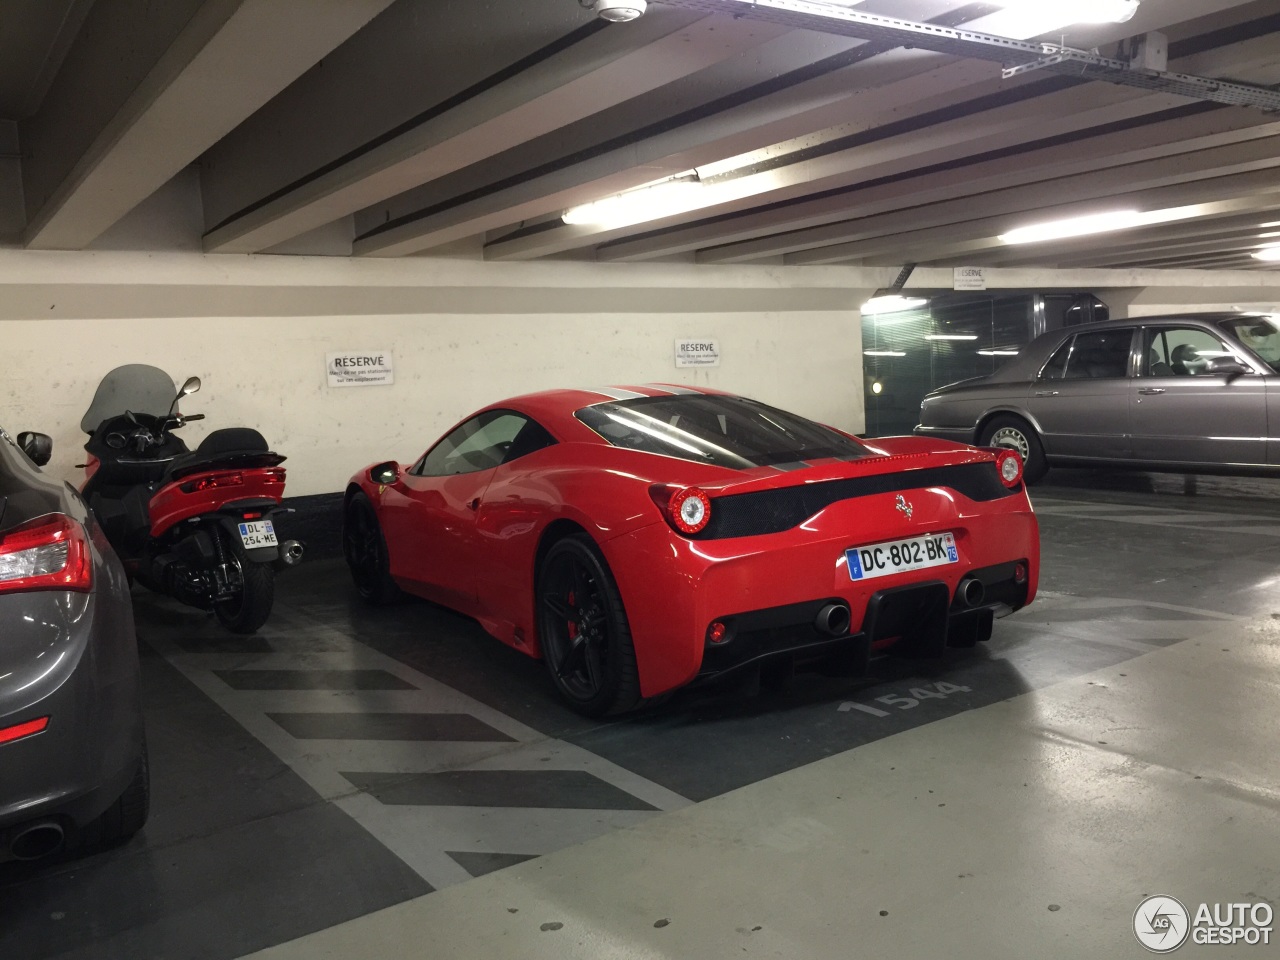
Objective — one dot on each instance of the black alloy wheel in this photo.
(582, 626)
(365, 551)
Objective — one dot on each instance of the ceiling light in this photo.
(651, 202)
(951, 336)
(1268, 254)
(997, 353)
(883, 353)
(1022, 19)
(619, 11)
(893, 303)
(1097, 223)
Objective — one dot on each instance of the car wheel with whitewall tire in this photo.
(365, 550)
(583, 630)
(1015, 433)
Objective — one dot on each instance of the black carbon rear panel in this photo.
(772, 511)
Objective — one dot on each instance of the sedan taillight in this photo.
(49, 553)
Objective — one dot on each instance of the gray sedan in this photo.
(1196, 393)
(73, 763)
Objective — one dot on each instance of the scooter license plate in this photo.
(259, 533)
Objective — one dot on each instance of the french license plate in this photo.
(901, 556)
(259, 533)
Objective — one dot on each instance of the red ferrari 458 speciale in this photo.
(640, 538)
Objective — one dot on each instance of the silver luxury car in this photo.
(1195, 393)
(73, 762)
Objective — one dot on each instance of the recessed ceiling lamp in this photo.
(893, 303)
(617, 11)
(998, 353)
(883, 353)
(1268, 254)
(1022, 19)
(1097, 223)
(652, 201)
(951, 336)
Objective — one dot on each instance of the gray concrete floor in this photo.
(1104, 745)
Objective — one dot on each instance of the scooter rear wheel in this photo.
(248, 611)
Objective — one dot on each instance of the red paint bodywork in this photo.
(171, 504)
(482, 561)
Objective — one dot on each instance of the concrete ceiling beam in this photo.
(592, 75)
(229, 59)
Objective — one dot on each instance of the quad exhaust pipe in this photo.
(36, 840)
(971, 592)
(834, 620)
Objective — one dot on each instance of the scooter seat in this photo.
(231, 447)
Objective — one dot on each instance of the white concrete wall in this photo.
(463, 334)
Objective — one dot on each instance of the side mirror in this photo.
(385, 474)
(191, 386)
(1226, 367)
(37, 446)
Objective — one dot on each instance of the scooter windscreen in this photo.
(135, 387)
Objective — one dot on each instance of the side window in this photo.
(1100, 356)
(1180, 352)
(483, 443)
(1056, 368)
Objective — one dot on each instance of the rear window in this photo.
(726, 431)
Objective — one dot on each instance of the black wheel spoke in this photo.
(591, 657)
(559, 606)
(570, 661)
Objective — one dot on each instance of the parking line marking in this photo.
(850, 705)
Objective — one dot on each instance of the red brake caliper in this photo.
(573, 624)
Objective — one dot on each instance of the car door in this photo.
(1081, 398)
(1182, 413)
(429, 514)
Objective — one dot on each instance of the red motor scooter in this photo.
(196, 526)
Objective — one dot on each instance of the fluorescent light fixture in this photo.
(997, 353)
(893, 303)
(653, 201)
(1098, 223)
(951, 336)
(1268, 254)
(883, 353)
(1023, 19)
(619, 11)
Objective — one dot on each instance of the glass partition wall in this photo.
(955, 337)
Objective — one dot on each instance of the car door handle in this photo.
(1046, 393)
(1151, 391)
(474, 504)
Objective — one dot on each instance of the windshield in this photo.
(1260, 335)
(726, 431)
(135, 387)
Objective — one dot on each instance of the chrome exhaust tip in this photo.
(291, 552)
(37, 841)
(971, 592)
(834, 620)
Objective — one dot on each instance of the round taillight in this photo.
(1020, 572)
(1009, 465)
(690, 510)
(718, 632)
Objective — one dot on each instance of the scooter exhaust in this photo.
(37, 840)
(291, 552)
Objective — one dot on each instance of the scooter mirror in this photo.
(190, 387)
